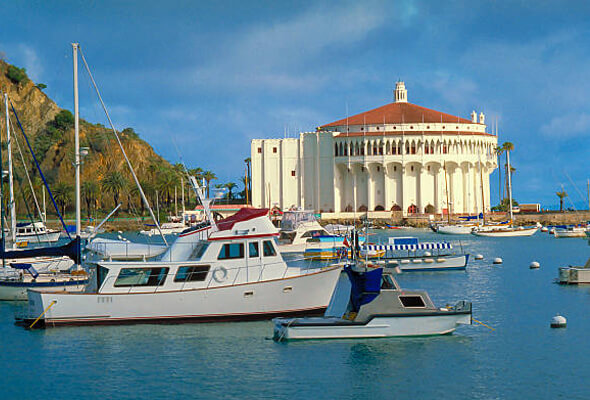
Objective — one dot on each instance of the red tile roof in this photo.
(397, 113)
(410, 132)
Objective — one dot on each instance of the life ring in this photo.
(220, 274)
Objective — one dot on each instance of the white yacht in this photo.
(299, 228)
(36, 232)
(237, 273)
(570, 232)
(377, 307)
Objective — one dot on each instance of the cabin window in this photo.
(155, 276)
(387, 282)
(412, 301)
(231, 251)
(253, 250)
(198, 251)
(101, 275)
(195, 273)
(268, 249)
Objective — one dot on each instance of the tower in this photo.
(401, 94)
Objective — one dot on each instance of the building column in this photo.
(421, 185)
(370, 188)
(387, 187)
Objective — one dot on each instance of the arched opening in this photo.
(395, 207)
(363, 208)
(348, 208)
(336, 150)
(379, 208)
(429, 209)
(412, 209)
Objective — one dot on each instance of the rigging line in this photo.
(575, 187)
(122, 149)
(28, 176)
(37, 236)
(41, 172)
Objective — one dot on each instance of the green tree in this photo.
(90, 191)
(209, 176)
(562, 195)
(507, 147)
(41, 86)
(113, 182)
(230, 187)
(16, 74)
(248, 183)
(62, 193)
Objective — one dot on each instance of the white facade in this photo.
(396, 157)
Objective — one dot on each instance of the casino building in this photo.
(398, 157)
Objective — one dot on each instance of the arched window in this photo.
(336, 149)
(375, 151)
(407, 147)
(413, 148)
(444, 148)
(388, 148)
(363, 148)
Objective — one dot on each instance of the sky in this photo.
(200, 79)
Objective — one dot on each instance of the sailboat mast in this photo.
(11, 203)
(509, 185)
(483, 197)
(76, 139)
(2, 236)
(447, 190)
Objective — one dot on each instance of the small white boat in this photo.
(36, 232)
(570, 232)
(14, 284)
(167, 228)
(505, 231)
(573, 275)
(377, 307)
(460, 229)
(298, 227)
(409, 254)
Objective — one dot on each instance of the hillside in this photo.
(105, 176)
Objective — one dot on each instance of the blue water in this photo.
(522, 358)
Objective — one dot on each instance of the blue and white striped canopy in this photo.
(410, 247)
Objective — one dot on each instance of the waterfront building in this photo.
(398, 157)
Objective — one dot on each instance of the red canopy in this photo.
(244, 214)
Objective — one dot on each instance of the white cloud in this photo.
(567, 126)
(291, 54)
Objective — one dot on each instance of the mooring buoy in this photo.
(479, 256)
(498, 260)
(558, 321)
(534, 265)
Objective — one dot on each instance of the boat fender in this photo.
(220, 274)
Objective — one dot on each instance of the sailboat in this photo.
(510, 230)
(44, 268)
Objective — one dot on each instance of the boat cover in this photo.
(365, 286)
(71, 250)
(410, 247)
(244, 214)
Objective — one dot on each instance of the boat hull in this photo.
(574, 275)
(307, 294)
(564, 234)
(455, 229)
(506, 232)
(424, 264)
(439, 323)
(48, 237)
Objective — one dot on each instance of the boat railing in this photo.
(231, 272)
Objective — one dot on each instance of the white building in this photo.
(396, 157)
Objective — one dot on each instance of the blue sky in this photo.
(214, 75)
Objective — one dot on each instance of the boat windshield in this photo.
(199, 251)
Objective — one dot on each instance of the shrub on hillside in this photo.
(16, 74)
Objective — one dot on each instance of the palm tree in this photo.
(90, 191)
(561, 196)
(230, 186)
(113, 182)
(209, 176)
(499, 151)
(507, 147)
(248, 185)
(62, 193)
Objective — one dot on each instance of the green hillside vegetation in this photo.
(105, 177)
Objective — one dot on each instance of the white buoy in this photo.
(120, 237)
(479, 256)
(534, 265)
(558, 322)
(498, 260)
(427, 254)
(544, 229)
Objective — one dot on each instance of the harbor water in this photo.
(522, 358)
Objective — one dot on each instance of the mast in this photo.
(10, 177)
(447, 190)
(2, 237)
(182, 194)
(509, 185)
(76, 139)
